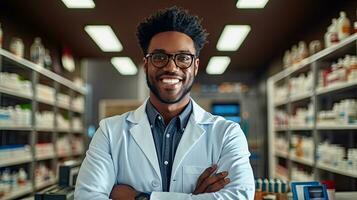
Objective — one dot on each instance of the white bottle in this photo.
(327, 37)
(37, 52)
(334, 39)
(344, 26)
(22, 177)
(0, 37)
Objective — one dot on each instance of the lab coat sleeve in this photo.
(234, 158)
(97, 173)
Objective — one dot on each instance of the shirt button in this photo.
(183, 129)
(155, 183)
(151, 126)
(159, 117)
(167, 135)
(166, 162)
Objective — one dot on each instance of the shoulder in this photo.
(114, 122)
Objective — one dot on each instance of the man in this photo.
(169, 148)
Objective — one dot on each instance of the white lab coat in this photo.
(122, 151)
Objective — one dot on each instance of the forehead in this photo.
(171, 41)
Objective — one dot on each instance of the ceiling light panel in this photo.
(79, 3)
(104, 37)
(251, 3)
(218, 64)
(124, 65)
(232, 37)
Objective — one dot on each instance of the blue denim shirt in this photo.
(166, 138)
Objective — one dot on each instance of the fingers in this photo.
(217, 185)
(208, 172)
(213, 179)
(210, 181)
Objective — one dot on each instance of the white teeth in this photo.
(170, 81)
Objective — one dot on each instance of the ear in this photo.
(145, 64)
(197, 63)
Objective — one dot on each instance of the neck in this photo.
(169, 111)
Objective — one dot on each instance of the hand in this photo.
(123, 192)
(211, 182)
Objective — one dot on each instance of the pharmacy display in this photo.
(312, 109)
(42, 118)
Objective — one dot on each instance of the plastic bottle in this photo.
(47, 59)
(1, 35)
(302, 50)
(37, 52)
(6, 179)
(22, 177)
(17, 47)
(327, 36)
(334, 39)
(344, 26)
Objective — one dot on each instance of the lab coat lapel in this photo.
(192, 133)
(190, 136)
(141, 132)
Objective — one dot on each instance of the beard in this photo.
(186, 89)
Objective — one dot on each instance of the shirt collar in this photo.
(184, 116)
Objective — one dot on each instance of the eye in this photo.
(183, 58)
(159, 57)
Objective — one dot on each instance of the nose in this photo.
(171, 66)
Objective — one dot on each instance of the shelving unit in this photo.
(318, 97)
(12, 134)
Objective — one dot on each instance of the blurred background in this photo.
(286, 71)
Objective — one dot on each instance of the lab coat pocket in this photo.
(190, 177)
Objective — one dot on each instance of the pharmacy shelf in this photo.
(315, 57)
(63, 130)
(40, 102)
(281, 103)
(45, 157)
(281, 128)
(44, 184)
(281, 154)
(336, 87)
(50, 102)
(299, 97)
(18, 192)
(301, 128)
(15, 161)
(336, 170)
(15, 93)
(45, 129)
(64, 155)
(16, 128)
(337, 127)
(51, 75)
(305, 161)
(63, 106)
(77, 110)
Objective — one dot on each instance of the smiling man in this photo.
(169, 148)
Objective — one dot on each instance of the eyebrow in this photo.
(163, 51)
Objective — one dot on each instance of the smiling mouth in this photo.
(170, 81)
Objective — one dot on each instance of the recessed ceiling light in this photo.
(218, 64)
(232, 37)
(251, 3)
(104, 37)
(79, 3)
(124, 65)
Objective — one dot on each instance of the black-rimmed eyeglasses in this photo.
(181, 60)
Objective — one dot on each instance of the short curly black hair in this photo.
(172, 19)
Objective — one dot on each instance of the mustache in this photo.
(170, 74)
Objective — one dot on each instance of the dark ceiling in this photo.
(275, 28)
